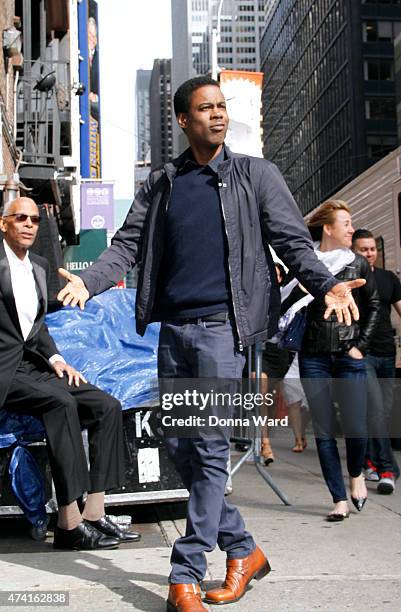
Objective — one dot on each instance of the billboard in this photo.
(88, 38)
(243, 93)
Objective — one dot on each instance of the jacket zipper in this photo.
(170, 190)
(221, 184)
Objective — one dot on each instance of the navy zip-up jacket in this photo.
(258, 211)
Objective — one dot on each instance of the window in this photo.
(380, 108)
(379, 146)
(245, 39)
(381, 31)
(241, 50)
(381, 2)
(378, 70)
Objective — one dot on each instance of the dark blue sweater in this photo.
(194, 279)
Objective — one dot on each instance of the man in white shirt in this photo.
(35, 380)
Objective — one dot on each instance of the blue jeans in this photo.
(204, 350)
(318, 372)
(380, 384)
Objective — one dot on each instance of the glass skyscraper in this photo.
(329, 108)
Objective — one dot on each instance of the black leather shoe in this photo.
(358, 502)
(109, 528)
(83, 537)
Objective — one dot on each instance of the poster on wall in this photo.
(97, 206)
(94, 105)
(88, 28)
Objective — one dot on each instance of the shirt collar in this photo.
(213, 164)
(16, 261)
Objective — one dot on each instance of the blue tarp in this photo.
(101, 342)
(27, 485)
(18, 427)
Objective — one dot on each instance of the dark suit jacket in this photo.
(39, 343)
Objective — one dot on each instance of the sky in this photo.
(131, 34)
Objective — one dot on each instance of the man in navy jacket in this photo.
(199, 231)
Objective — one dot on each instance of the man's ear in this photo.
(182, 120)
(2, 225)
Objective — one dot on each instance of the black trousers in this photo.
(64, 410)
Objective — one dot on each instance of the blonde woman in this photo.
(332, 350)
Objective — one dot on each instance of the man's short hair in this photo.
(6, 207)
(182, 97)
(361, 233)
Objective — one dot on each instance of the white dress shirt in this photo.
(25, 294)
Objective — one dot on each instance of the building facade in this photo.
(46, 101)
(329, 106)
(242, 23)
(190, 21)
(10, 66)
(143, 116)
(375, 200)
(161, 137)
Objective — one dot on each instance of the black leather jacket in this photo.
(329, 336)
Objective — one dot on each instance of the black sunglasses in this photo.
(22, 217)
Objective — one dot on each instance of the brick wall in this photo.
(7, 9)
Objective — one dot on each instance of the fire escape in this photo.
(44, 96)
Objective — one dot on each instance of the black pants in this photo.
(64, 410)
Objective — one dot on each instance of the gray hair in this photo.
(7, 206)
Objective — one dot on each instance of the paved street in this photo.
(354, 565)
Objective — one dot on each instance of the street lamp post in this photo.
(215, 40)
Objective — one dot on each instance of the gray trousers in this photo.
(203, 350)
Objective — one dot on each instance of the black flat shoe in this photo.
(106, 526)
(337, 517)
(358, 502)
(38, 531)
(83, 537)
(268, 461)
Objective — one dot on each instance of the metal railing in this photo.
(43, 112)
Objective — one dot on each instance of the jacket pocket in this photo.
(346, 332)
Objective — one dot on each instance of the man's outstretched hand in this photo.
(339, 299)
(74, 292)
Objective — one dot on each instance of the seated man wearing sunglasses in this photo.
(35, 380)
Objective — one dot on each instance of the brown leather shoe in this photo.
(239, 574)
(185, 598)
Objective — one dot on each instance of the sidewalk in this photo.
(354, 565)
